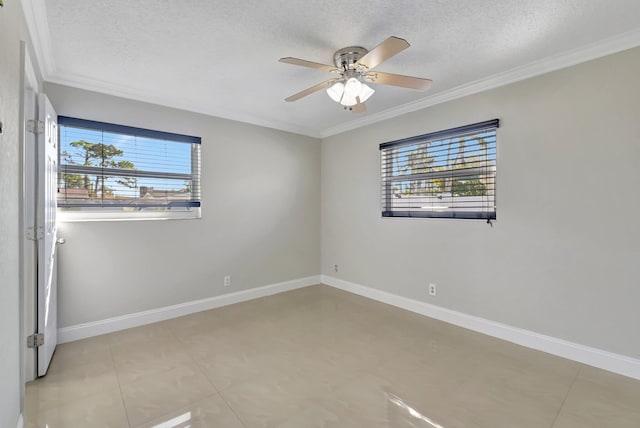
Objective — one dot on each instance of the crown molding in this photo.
(81, 82)
(35, 15)
(596, 50)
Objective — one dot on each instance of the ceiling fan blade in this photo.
(384, 51)
(359, 108)
(310, 64)
(398, 80)
(310, 90)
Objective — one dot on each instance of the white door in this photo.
(47, 147)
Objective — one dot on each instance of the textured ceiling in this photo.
(221, 57)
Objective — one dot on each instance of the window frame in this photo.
(387, 210)
(85, 211)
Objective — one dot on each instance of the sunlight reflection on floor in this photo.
(402, 414)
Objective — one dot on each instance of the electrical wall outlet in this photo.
(227, 281)
(432, 289)
(335, 268)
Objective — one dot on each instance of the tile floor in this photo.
(320, 357)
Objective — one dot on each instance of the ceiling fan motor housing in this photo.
(346, 58)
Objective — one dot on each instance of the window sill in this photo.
(78, 216)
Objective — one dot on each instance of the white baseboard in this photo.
(605, 360)
(20, 421)
(95, 328)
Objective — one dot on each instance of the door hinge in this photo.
(35, 126)
(35, 340)
(35, 233)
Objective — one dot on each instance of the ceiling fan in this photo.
(353, 67)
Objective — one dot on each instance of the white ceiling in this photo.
(220, 57)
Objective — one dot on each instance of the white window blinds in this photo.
(112, 167)
(444, 174)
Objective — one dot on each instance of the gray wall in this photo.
(260, 221)
(562, 258)
(12, 30)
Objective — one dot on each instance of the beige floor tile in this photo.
(601, 399)
(367, 399)
(627, 388)
(402, 413)
(362, 400)
(271, 400)
(319, 415)
(320, 357)
(512, 392)
(154, 395)
(87, 351)
(140, 335)
(192, 324)
(98, 410)
(361, 351)
(428, 380)
(206, 345)
(211, 412)
(133, 360)
(65, 386)
(246, 313)
(228, 369)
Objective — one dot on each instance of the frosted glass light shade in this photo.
(348, 100)
(353, 87)
(336, 91)
(348, 93)
(365, 92)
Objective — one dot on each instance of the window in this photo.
(444, 174)
(109, 171)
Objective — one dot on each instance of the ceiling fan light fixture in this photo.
(336, 91)
(352, 87)
(344, 93)
(365, 92)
